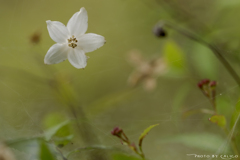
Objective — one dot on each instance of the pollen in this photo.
(73, 45)
(72, 42)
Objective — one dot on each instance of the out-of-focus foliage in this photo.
(174, 57)
(203, 141)
(54, 111)
(124, 157)
(220, 120)
(145, 132)
(45, 152)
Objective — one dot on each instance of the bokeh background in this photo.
(30, 102)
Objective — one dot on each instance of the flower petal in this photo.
(56, 54)
(57, 31)
(90, 42)
(77, 58)
(150, 84)
(78, 23)
(135, 58)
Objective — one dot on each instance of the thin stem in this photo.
(234, 147)
(141, 154)
(213, 99)
(233, 143)
(126, 138)
(76, 117)
(214, 49)
(60, 152)
(86, 132)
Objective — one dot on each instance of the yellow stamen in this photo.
(72, 42)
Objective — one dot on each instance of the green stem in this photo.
(61, 154)
(233, 144)
(86, 132)
(213, 98)
(214, 49)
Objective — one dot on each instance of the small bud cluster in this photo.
(209, 90)
(118, 132)
(203, 83)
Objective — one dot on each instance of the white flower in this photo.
(72, 42)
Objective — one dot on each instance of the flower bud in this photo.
(159, 31)
(205, 81)
(200, 85)
(213, 84)
(117, 131)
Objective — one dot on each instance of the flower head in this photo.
(146, 71)
(72, 42)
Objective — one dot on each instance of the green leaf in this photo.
(203, 141)
(174, 58)
(234, 118)
(62, 141)
(235, 115)
(238, 106)
(45, 153)
(220, 120)
(53, 119)
(204, 61)
(145, 132)
(124, 157)
(203, 110)
(62, 127)
(29, 147)
(21, 155)
(223, 104)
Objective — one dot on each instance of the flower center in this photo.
(72, 42)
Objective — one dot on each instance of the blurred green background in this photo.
(29, 103)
